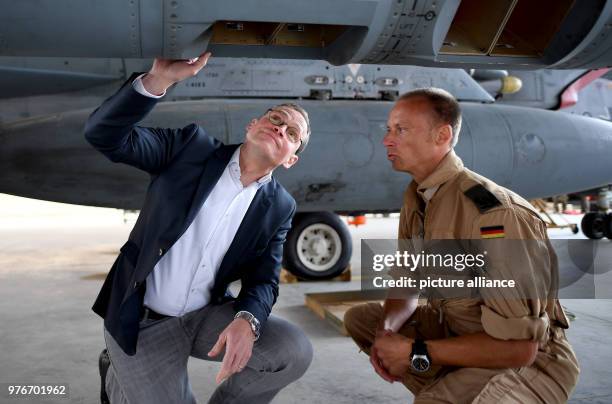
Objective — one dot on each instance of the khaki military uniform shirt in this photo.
(438, 208)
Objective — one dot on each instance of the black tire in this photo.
(324, 231)
(608, 226)
(593, 224)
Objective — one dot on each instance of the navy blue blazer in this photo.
(184, 165)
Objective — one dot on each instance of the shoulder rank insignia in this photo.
(482, 198)
(492, 232)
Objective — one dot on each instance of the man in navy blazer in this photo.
(213, 214)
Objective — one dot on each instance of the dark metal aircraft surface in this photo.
(559, 34)
(45, 102)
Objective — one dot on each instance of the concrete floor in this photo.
(50, 266)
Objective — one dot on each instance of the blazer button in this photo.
(161, 252)
(136, 285)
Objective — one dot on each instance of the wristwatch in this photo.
(252, 321)
(419, 358)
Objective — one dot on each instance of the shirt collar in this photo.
(428, 193)
(449, 167)
(234, 167)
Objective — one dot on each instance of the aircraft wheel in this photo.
(593, 225)
(608, 226)
(318, 246)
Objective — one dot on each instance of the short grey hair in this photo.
(445, 107)
(304, 114)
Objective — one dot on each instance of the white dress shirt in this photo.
(183, 278)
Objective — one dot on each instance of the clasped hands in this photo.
(390, 355)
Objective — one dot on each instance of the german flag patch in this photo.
(492, 232)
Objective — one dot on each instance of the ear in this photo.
(444, 135)
(251, 124)
(291, 161)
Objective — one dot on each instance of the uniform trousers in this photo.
(157, 373)
(447, 384)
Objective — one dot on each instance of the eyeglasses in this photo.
(278, 118)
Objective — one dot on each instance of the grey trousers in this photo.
(158, 371)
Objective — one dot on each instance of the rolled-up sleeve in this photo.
(521, 255)
(511, 327)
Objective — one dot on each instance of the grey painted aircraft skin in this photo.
(44, 155)
(531, 150)
(75, 83)
(543, 88)
(561, 34)
(345, 169)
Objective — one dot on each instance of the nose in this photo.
(387, 140)
(280, 129)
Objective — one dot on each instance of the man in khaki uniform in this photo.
(499, 347)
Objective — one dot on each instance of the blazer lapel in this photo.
(210, 175)
(249, 229)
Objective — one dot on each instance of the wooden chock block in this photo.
(288, 277)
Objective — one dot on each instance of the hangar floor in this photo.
(51, 263)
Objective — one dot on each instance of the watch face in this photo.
(420, 364)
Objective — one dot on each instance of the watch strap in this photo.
(254, 323)
(419, 347)
(419, 357)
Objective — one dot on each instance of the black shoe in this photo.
(103, 364)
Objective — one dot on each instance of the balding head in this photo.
(444, 108)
